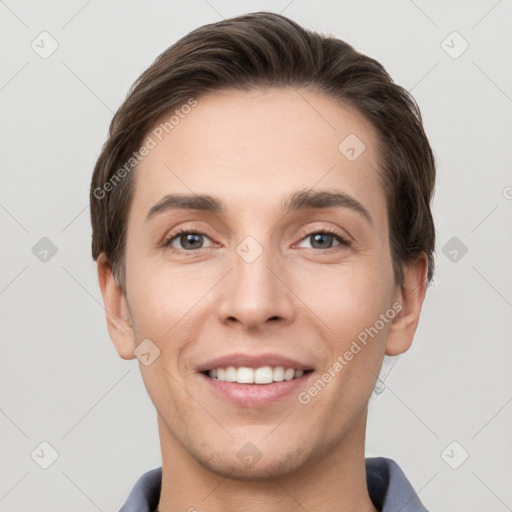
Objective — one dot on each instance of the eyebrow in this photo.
(297, 201)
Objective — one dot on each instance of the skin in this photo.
(252, 149)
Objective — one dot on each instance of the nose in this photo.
(256, 293)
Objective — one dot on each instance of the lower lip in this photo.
(255, 395)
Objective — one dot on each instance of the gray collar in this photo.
(388, 487)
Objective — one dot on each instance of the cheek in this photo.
(165, 305)
(159, 295)
(346, 299)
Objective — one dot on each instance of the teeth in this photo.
(231, 374)
(278, 374)
(289, 373)
(263, 375)
(245, 375)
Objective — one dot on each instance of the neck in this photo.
(333, 479)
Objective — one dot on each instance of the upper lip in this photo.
(252, 361)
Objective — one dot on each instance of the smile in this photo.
(256, 389)
(262, 375)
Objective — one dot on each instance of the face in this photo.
(248, 274)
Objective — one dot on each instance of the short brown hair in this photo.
(265, 49)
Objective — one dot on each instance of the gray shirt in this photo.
(388, 487)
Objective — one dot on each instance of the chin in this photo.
(249, 464)
(261, 471)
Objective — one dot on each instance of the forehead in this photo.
(252, 149)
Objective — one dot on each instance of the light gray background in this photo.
(61, 379)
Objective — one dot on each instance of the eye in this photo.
(189, 240)
(192, 240)
(323, 239)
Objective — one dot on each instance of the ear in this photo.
(410, 296)
(118, 316)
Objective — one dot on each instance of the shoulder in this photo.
(389, 488)
(145, 495)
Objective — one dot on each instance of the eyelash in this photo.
(184, 231)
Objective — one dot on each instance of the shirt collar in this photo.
(388, 487)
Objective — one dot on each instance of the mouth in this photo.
(255, 387)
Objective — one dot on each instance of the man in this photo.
(262, 227)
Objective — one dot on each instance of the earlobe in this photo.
(117, 313)
(410, 296)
